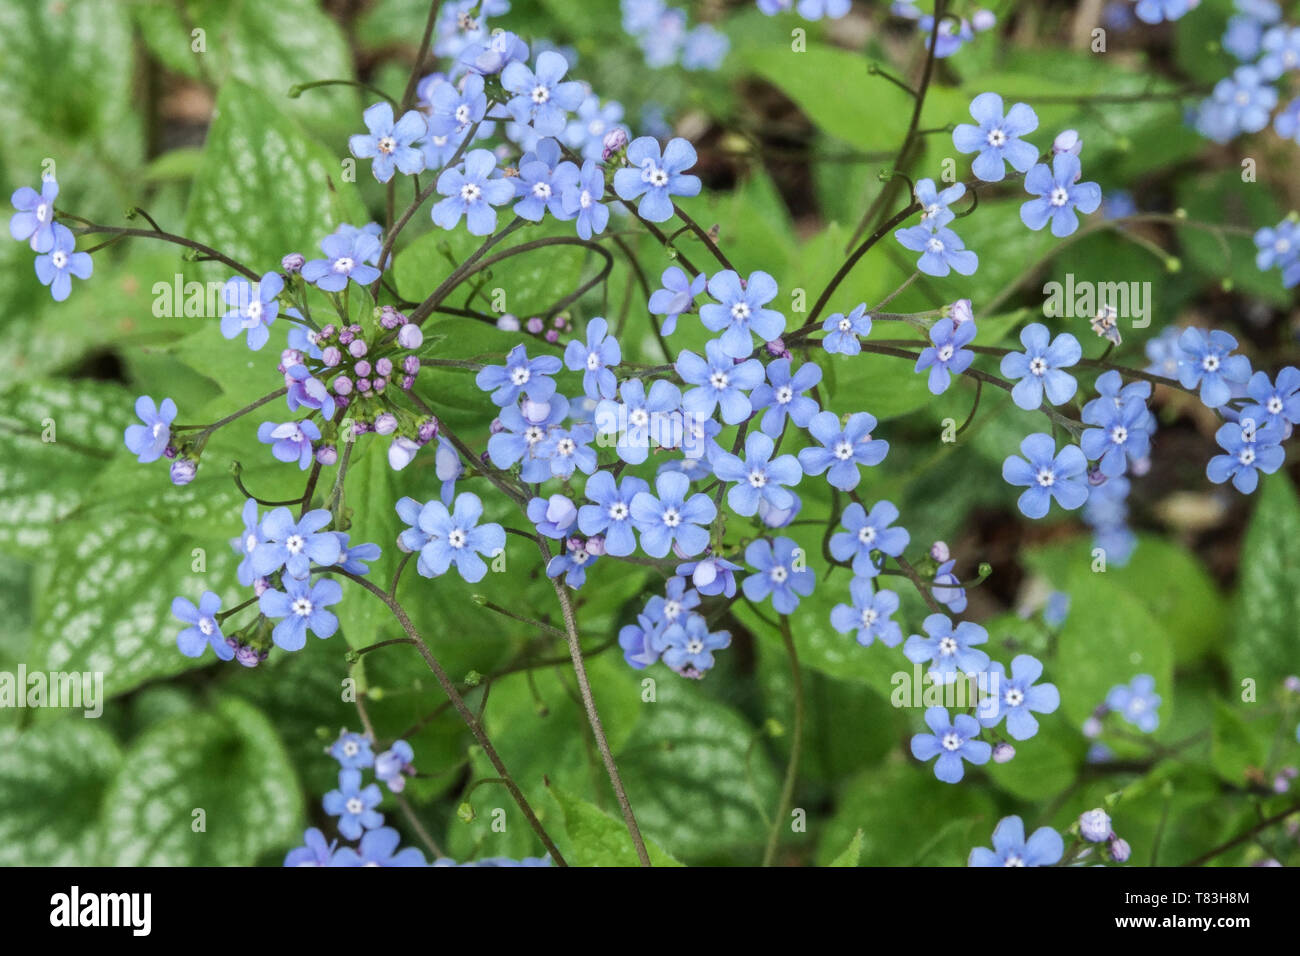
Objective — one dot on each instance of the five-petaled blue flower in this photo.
(870, 615)
(1248, 451)
(346, 257)
(688, 647)
(520, 374)
(997, 137)
(595, 359)
(952, 742)
(148, 441)
(843, 448)
(456, 537)
(1045, 475)
(670, 519)
(865, 532)
(638, 419)
(472, 192)
(1018, 697)
(302, 606)
(780, 570)
(947, 356)
(1039, 367)
(542, 182)
(57, 267)
(290, 441)
(1137, 702)
(581, 200)
(758, 476)
(842, 331)
(741, 310)
(657, 178)
(294, 545)
(721, 383)
(354, 805)
(1277, 402)
(204, 629)
(1206, 362)
(783, 393)
(34, 221)
(950, 651)
(942, 250)
(677, 296)
(1123, 425)
(352, 750)
(251, 310)
(541, 98)
(391, 146)
(611, 512)
(934, 204)
(1059, 194)
(1010, 848)
(378, 848)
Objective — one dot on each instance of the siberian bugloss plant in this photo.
(531, 439)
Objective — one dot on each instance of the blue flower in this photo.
(757, 476)
(346, 257)
(688, 648)
(742, 311)
(204, 629)
(572, 563)
(942, 250)
(1281, 52)
(676, 601)
(1039, 367)
(784, 395)
(842, 331)
(448, 468)
(1241, 103)
(816, 9)
(472, 192)
(997, 137)
(390, 145)
(519, 374)
(1137, 702)
(867, 532)
(934, 204)
(541, 99)
(305, 391)
(721, 383)
(586, 132)
(704, 48)
(637, 419)
(351, 559)
(378, 848)
(671, 519)
(57, 267)
(494, 53)
(677, 296)
(294, 545)
(1154, 11)
(456, 538)
(780, 571)
(1018, 697)
(1249, 450)
(252, 310)
(843, 448)
(34, 221)
(316, 851)
(1047, 475)
(352, 751)
(354, 805)
(711, 575)
(302, 606)
(582, 200)
(457, 107)
(1057, 609)
(290, 441)
(637, 642)
(870, 615)
(1206, 362)
(952, 742)
(1123, 425)
(655, 178)
(566, 449)
(595, 360)
(553, 517)
(1010, 848)
(611, 513)
(1275, 403)
(951, 652)
(542, 182)
(946, 590)
(1287, 121)
(393, 765)
(1059, 195)
(524, 427)
(247, 543)
(148, 441)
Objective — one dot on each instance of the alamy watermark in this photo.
(78, 690)
(1083, 299)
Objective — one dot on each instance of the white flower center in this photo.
(566, 447)
(302, 606)
(934, 244)
(542, 191)
(758, 478)
(1014, 860)
(593, 361)
(1060, 196)
(997, 138)
(1274, 405)
(540, 94)
(1119, 434)
(694, 646)
(845, 325)
(951, 741)
(584, 199)
(867, 534)
(672, 517)
(295, 543)
(387, 144)
(355, 806)
(843, 449)
(869, 615)
(1046, 477)
(456, 538)
(534, 434)
(471, 192)
(520, 374)
(740, 311)
(638, 417)
(784, 395)
(462, 114)
(1210, 363)
(719, 380)
(1246, 456)
(42, 212)
(778, 574)
(59, 258)
(1014, 697)
(1037, 367)
(945, 352)
(250, 542)
(947, 646)
(654, 175)
(351, 749)
(672, 609)
(617, 511)
(207, 626)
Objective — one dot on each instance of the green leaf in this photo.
(600, 840)
(227, 762)
(1266, 645)
(852, 853)
(1235, 747)
(52, 778)
(54, 439)
(269, 46)
(265, 188)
